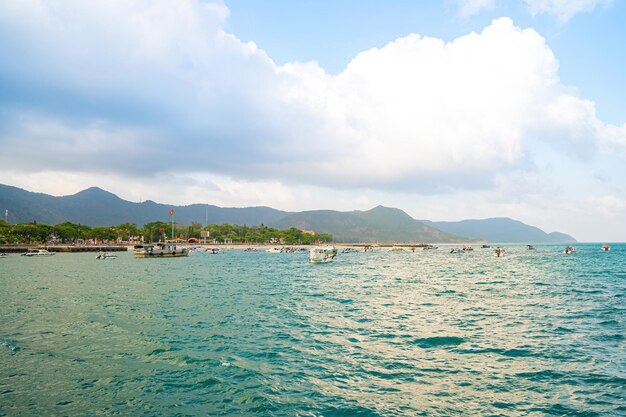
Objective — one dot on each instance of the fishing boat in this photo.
(105, 255)
(322, 254)
(160, 250)
(349, 250)
(38, 252)
(606, 248)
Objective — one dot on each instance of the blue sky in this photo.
(447, 109)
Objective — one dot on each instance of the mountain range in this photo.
(97, 207)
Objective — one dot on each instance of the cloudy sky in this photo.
(447, 109)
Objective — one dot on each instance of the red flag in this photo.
(171, 212)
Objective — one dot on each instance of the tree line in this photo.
(68, 233)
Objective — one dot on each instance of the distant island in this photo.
(95, 207)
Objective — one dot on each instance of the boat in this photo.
(569, 249)
(429, 247)
(349, 250)
(104, 256)
(486, 246)
(530, 247)
(322, 254)
(499, 252)
(606, 248)
(467, 248)
(274, 250)
(214, 251)
(38, 252)
(250, 249)
(3, 255)
(160, 250)
(456, 250)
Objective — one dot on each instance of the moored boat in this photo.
(38, 252)
(322, 254)
(105, 255)
(160, 250)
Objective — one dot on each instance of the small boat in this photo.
(104, 256)
(456, 250)
(530, 247)
(606, 248)
(160, 250)
(569, 249)
(499, 252)
(486, 246)
(322, 254)
(467, 248)
(274, 250)
(349, 250)
(429, 247)
(38, 252)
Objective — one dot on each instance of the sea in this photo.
(381, 333)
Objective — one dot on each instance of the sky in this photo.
(449, 110)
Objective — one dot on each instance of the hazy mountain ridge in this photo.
(97, 207)
(501, 229)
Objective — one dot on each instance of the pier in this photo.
(63, 248)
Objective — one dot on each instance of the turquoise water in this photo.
(372, 334)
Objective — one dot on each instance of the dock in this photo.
(64, 248)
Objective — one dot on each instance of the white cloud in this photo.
(471, 7)
(148, 87)
(565, 9)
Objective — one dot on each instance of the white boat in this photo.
(38, 252)
(274, 250)
(322, 254)
(105, 255)
(160, 250)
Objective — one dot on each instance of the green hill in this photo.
(380, 224)
(96, 207)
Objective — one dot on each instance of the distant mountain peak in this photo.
(95, 194)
